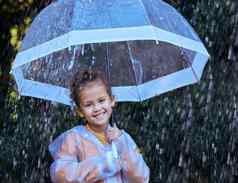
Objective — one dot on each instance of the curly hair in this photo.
(81, 79)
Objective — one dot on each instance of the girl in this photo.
(95, 152)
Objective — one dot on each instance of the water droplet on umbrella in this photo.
(93, 60)
(92, 47)
(69, 48)
(72, 59)
(82, 50)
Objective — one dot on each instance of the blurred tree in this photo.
(15, 17)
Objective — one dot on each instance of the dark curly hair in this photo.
(82, 78)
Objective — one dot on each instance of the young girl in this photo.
(95, 152)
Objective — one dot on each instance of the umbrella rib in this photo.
(148, 19)
(190, 64)
(134, 72)
(147, 16)
(194, 72)
(108, 63)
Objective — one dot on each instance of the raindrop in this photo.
(219, 113)
(201, 100)
(69, 48)
(183, 114)
(82, 50)
(180, 160)
(217, 5)
(93, 60)
(204, 157)
(72, 59)
(14, 162)
(178, 110)
(210, 86)
(215, 172)
(163, 134)
(230, 53)
(233, 146)
(38, 164)
(228, 159)
(71, 64)
(187, 147)
(166, 99)
(209, 98)
(49, 59)
(92, 47)
(167, 112)
(214, 148)
(157, 147)
(235, 105)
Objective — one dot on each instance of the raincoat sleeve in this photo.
(66, 151)
(134, 169)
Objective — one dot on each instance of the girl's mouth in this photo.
(98, 116)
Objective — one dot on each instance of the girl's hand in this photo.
(113, 133)
(88, 173)
(92, 175)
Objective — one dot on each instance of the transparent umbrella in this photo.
(144, 48)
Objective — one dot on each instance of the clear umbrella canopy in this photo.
(144, 48)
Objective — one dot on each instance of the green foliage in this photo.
(24, 157)
(188, 135)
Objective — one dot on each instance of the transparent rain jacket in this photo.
(78, 150)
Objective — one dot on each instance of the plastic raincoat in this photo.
(78, 150)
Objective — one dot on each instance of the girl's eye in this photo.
(87, 105)
(101, 100)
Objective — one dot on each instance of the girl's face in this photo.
(96, 105)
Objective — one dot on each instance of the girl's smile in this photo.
(96, 105)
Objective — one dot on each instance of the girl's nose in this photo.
(96, 107)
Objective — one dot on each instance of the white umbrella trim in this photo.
(107, 35)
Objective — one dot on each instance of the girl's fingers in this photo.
(82, 176)
(84, 173)
(111, 136)
(109, 127)
(112, 128)
(91, 177)
(112, 132)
